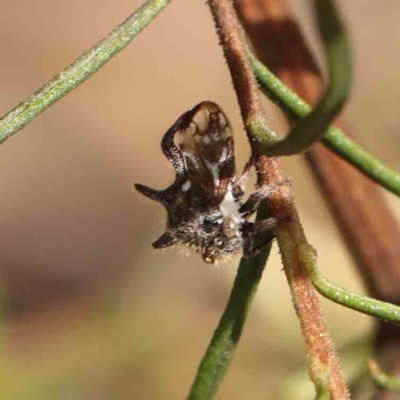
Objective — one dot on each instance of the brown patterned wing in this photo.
(206, 142)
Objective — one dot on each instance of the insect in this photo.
(204, 206)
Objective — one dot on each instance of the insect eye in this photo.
(229, 226)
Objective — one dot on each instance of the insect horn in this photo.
(153, 194)
(165, 240)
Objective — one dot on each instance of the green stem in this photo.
(366, 305)
(338, 54)
(334, 138)
(220, 351)
(381, 379)
(80, 70)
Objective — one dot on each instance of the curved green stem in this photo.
(80, 70)
(338, 54)
(381, 379)
(366, 305)
(334, 138)
(220, 351)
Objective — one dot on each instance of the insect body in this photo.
(204, 205)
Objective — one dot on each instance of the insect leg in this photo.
(239, 186)
(251, 246)
(252, 203)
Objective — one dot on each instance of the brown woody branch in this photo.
(324, 367)
(366, 223)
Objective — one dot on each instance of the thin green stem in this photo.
(334, 138)
(220, 351)
(381, 379)
(80, 70)
(366, 305)
(338, 54)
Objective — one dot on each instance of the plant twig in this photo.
(381, 379)
(353, 199)
(312, 127)
(89, 63)
(324, 368)
(366, 305)
(335, 139)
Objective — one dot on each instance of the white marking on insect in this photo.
(206, 139)
(186, 186)
(214, 169)
(230, 207)
(224, 154)
(192, 158)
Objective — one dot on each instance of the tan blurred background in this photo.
(89, 310)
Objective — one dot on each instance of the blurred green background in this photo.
(89, 310)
